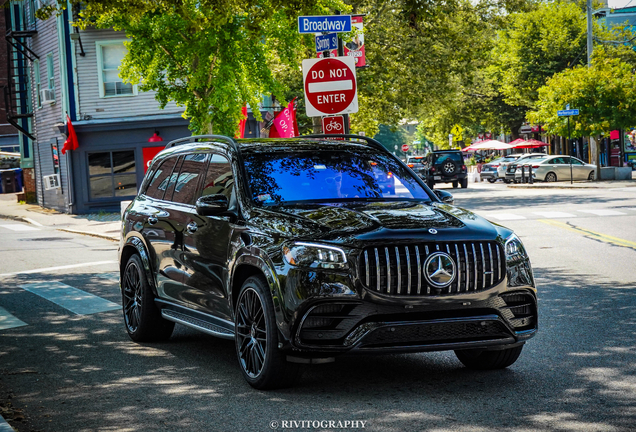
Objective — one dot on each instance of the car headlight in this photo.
(514, 249)
(315, 255)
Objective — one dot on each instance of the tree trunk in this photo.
(595, 149)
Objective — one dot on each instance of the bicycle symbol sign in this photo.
(333, 125)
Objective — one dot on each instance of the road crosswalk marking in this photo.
(554, 214)
(8, 321)
(506, 216)
(603, 212)
(16, 227)
(75, 300)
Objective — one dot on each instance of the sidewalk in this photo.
(104, 225)
(586, 184)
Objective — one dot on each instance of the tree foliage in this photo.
(604, 93)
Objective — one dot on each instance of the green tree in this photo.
(210, 56)
(604, 93)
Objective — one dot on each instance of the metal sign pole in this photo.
(340, 54)
(569, 149)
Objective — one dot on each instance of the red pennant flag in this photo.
(240, 133)
(71, 142)
(284, 123)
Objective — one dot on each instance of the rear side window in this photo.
(157, 186)
(185, 185)
(219, 178)
(456, 157)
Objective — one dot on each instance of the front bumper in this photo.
(498, 317)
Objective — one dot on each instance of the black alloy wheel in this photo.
(263, 365)
(141, 316)
(550, 177)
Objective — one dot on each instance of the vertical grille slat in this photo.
(377, 267)
(366, 265)
(491, 269)
(388, 271)
(419, 270)
(479, 266)
(408, 266)
(399, 270)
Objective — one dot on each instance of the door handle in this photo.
(192, 227)
(152, 220)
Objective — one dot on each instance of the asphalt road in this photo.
(70, 371)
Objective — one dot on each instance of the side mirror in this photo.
(446, 197)
(212, 205)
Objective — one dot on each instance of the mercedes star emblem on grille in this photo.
(439, 269)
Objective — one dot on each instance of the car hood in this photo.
(371, 223)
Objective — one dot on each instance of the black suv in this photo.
(445, 166)
(292, 248)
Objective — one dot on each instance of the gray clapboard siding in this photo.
(43, 43)
(144, 103)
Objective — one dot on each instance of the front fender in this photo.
(256, 258)
(138, 242)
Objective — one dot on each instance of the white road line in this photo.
(554, 214)
(505, 216)
(75, 300)
(47, 269)
(8, 321)
(16, 227)
(603, 212)
(32, 222)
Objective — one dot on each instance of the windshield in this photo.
(416, 160)
(329, 176)
(454, 156)
(508, 159)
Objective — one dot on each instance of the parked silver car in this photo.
(496, 169)
(511, 167)
(556, 168)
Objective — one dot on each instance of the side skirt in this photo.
(197, 320)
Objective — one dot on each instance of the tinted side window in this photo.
(168, 183)
(159, 181)
(219, 178)
(186, 183)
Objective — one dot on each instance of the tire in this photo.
(485, 360)
(591, 176)
(464, 183)
(455, 184)
(142, 317)
(491, 180)
(506, 181)
(449, 167)
(550, 177)
(262, 364)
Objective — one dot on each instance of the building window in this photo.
(112, 174)
(50, 71)
(109, 57)
(38, 86)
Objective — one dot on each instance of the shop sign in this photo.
(149, 153)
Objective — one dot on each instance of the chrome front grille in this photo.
(397, 270)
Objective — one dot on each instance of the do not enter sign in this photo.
(330, 86)
(405, 147)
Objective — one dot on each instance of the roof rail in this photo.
(369, 141)
(199, 138)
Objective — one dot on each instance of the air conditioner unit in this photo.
(51, 181)
(47, 96)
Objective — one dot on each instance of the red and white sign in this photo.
(149, 153)
(333, 125)
(330, 86)
(405, 147)
(488, 135)
(355, 48)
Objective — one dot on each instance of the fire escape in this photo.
(16, 92)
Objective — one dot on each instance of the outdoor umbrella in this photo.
(532, 143)
(491, 145)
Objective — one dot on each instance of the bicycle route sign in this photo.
(330, 86)
(333, 125)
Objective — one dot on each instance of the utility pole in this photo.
(589, 33)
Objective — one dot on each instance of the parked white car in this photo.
(556, 168)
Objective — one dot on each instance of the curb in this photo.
(102, 236)
(16, 218)
(569, 187)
